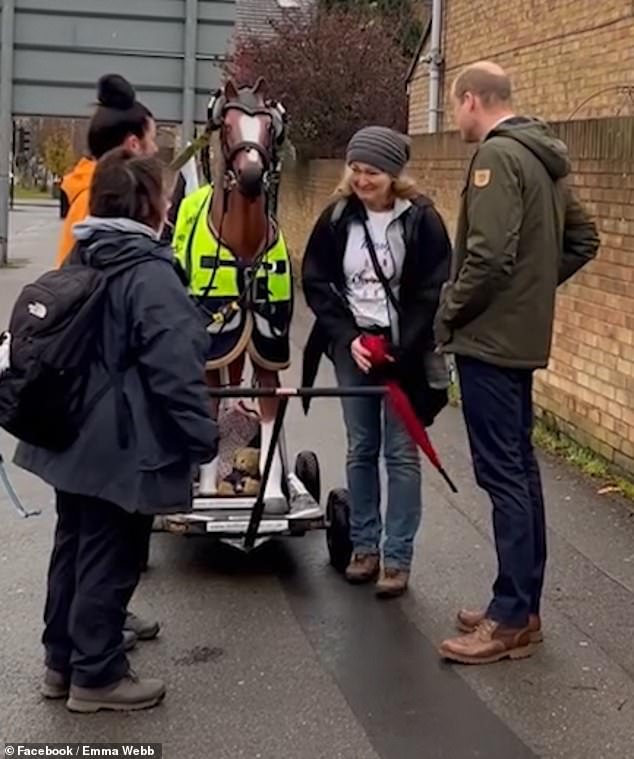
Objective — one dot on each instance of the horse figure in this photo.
(228, 242)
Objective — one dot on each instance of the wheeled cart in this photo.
(243, 522)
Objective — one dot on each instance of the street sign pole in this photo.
(6, 122)
(189, 70)
(53, 52)
(14, 152)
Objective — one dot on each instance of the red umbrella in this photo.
(378, 348)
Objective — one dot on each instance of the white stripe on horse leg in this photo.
(209, 478)
(273, 496)
(208, 483)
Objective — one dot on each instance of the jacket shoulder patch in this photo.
(481, 177)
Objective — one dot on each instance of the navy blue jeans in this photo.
(368, 423)
(498, 411)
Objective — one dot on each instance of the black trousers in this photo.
(145, 524)
(95, 567)
(498, 411)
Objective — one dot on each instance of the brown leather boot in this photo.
(467, 621)
(363, 567)
(490, 642)
(392, 583)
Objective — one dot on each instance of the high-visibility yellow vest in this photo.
(204, 260)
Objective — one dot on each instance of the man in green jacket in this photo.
(520, 234)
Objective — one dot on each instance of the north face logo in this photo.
(5, 352)
(38, 310)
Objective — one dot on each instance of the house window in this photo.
(288, 3)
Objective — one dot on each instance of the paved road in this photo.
(274, 656)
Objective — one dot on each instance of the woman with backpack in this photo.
(145, 431)
(375, 264)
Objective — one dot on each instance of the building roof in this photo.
(255, 16)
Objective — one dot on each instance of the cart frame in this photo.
(288, 524)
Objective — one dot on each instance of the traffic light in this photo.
(25, 140)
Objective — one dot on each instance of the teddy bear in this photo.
(244, 479)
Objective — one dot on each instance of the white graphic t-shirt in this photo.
(366, 294)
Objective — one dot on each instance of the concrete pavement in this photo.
(273, 655)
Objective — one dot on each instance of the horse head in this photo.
(251, 130)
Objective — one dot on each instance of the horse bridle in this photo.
(268, 155)
(269, 160)
(247, 144)
(217, 111)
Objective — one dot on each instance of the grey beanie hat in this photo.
(380, 147)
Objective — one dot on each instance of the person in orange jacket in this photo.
(120, 120)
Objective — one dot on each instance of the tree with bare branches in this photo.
(335, 71)
(405, 15)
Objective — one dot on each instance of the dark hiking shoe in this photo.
(129, 694)
(55, 685)
(142, 628)
(489, 643)
(392, 583)
(467, 621)
(363, 567)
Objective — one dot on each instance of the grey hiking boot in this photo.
(129, 694)
(142, 628)
(55, 685)
(130, 639)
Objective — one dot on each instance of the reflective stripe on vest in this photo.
(202, 258)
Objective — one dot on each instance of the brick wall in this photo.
(558, 52)
(303, 195)
(589, 386)
(418, 97)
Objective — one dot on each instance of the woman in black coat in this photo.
(138, 449)
(375, 264)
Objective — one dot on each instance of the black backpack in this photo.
(55, 334)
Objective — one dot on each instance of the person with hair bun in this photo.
(119, 120)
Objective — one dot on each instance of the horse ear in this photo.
(231, 91)
(259, 87)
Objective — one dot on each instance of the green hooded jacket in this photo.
(520, 234)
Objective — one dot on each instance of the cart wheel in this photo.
(338, 529)
(307, 470)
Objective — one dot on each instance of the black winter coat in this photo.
(151, 325)
(426, 268)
